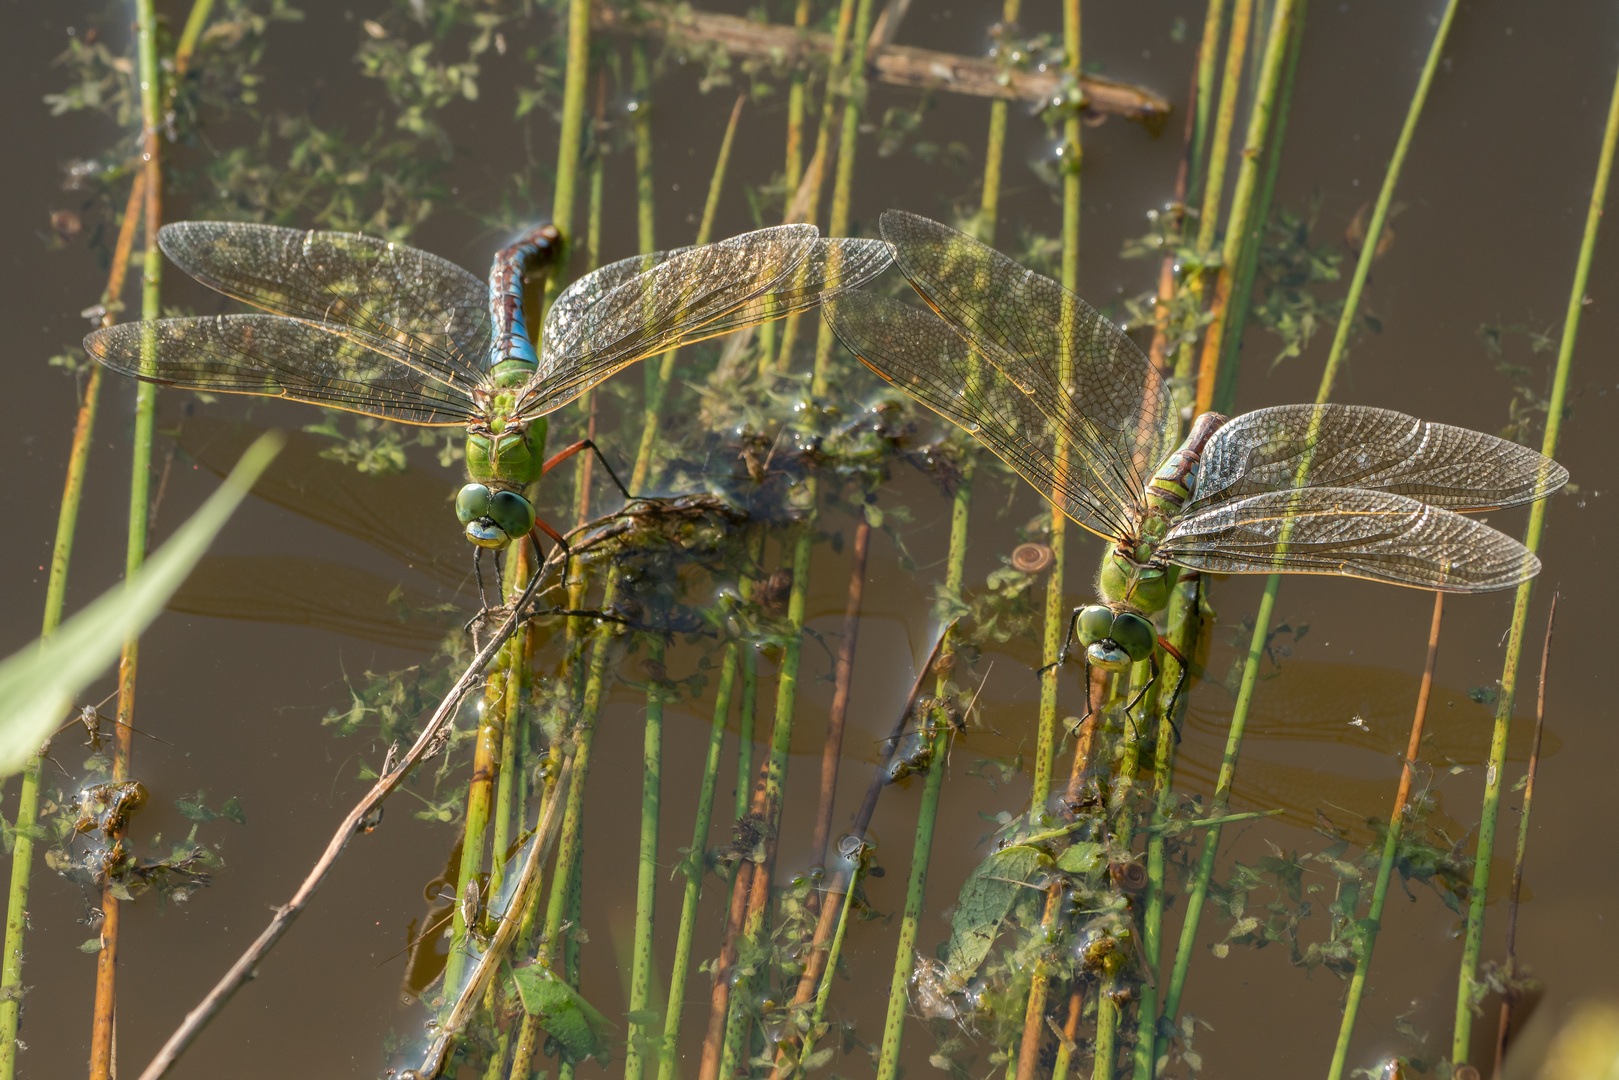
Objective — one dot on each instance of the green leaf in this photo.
(985, 900)
(569, 1018)
(90, 945)
(1082, 857)
(38, 684)
(232, 811)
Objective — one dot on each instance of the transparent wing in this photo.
(1077, 366)
(276, 357)
(1354, 446)
(421, 310)
(1366, 534)
(574, 305)
(697, 294)
(918, 353)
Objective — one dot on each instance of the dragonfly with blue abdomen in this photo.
(1061, 395)
(374, 327)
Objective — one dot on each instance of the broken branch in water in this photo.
(898, 65)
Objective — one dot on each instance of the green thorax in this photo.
(1132, 573)
(504, 451)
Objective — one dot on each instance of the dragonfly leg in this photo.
(1088, 707)
(586, 444)
(477, 568)
(1062, 657)
(1180, 684)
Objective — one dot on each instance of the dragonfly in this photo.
(1064, 397)
(366, 325)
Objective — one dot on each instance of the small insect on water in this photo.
(1061, 395)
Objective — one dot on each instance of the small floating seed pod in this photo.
(1032, 558)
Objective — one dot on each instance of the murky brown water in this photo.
(1495, 191)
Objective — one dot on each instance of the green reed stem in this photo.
(915, 894)
(793, 172)
(1267, 605)
(646, 879)
(645, 203)
(816, 170)
(102, 1063)
(1391, 844)
(1520, 608)
(1208, 53)
(509, 767)
(593, 253)
(571, 141)
(1183, 621)
(694, 867)
(1224, 119)
(659, 377)
(1225, 387)
(1056, 609)
(480, 799)
(854, 103)
(1243, 226)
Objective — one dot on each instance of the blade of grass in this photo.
(102, 1039)
(1244, 226)
(1198, 889)
(1520, 607)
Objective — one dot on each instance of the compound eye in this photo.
(1134, 635)
(511, 512)
(472, 503)
(1095, 623)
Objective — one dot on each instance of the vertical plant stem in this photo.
(805, 204)
(658, 386)
(1236, 313)
(1183, 626)
(480, 800)
(1513, 894)
(570, 143)
(1056, 611)
(22, 853)
(793, 171)
(509, 766)
(695, 866)
(1243, 225)
(843, 673)
(593, 254)
(1267, 605)
(1391, 845)
(645, 203)
(1208, 53)
(1224, 119)
(646, 881)
(1520, 608)
(102, 1035)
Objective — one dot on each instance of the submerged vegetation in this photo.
(761, 466)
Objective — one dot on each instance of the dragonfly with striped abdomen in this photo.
(374, 327)
(1061, 395)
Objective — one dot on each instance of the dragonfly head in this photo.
(493, 519)
(1142, 585)
(1115, 640)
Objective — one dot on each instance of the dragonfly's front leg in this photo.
(1155, 671)
(1180, 684)
(1062, 657)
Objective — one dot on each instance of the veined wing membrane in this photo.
(833, 267)
(1366, 534)
(276, 357)
(696, 294)
(1372, 449)
(917, 352)
(1114, 403)
(578, 300)
(423, 311)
